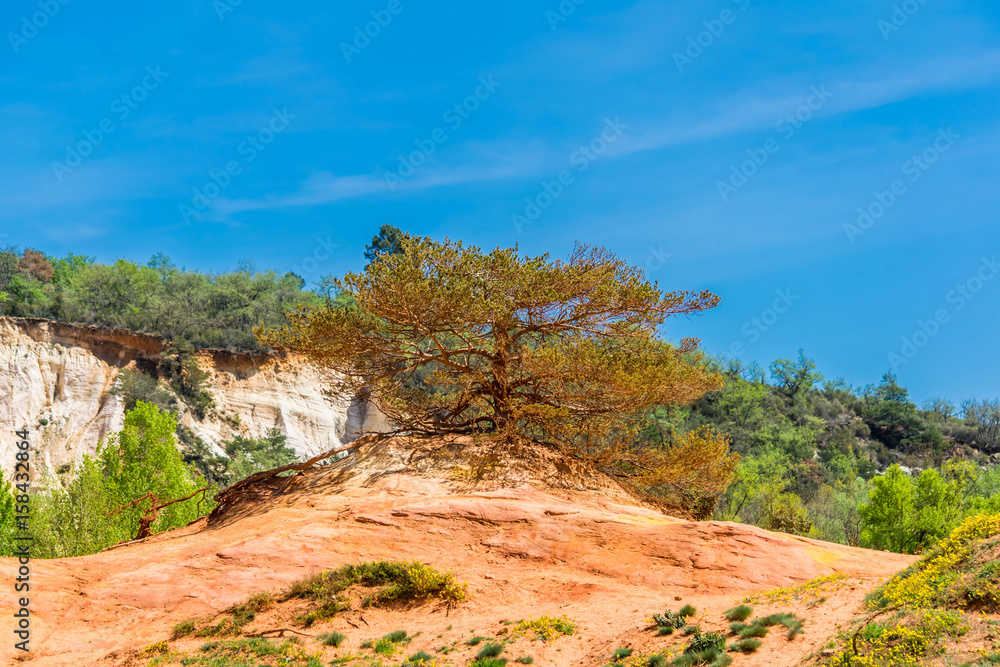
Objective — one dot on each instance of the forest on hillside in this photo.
(206, 310)
(863, 466)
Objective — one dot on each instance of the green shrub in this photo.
(491, 650)
(394, 582)
(687, 611)
(621, 653)
(476, 641)
(183, 629)
(525, 660)
(689, 630)
(396, 637)
(738, 613)
(736, 627)
(489, 662)
(664, 630)
(747, 645)
(709, 641)
(418, 659)
(334, 639)
(754, 631)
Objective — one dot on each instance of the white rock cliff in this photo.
(56, 379)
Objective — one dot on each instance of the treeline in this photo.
(203, 309)
(864, 467)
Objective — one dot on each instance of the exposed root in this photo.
(231, 494)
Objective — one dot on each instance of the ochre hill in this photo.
(542, 537)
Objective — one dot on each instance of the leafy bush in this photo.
(394, 582)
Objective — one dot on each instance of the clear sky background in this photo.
(310, 116)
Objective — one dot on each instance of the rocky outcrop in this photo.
(56, 379)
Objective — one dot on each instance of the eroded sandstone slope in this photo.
(553, 540)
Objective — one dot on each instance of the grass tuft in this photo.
(334, 639)
(754, 631)
(747, 645)
(621, 653)
(491, 650)
(183, 629)
(738, 613)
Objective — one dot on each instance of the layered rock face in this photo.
(56, 379)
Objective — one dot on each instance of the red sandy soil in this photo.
(525, 548)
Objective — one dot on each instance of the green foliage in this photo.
(754, 631)
(256, 651)
(490, 650)
(393, 582)
(525, 660)
(419, 659)
(334, 638)
(95, 510)
(738, 613)
(205, 310)
(249, 455)
(134, 386)
(894, 419)
(183, 629)
(389, 241)
(687, 611)
(747, 645)
(907, 515)
(622, 653)
(8, 520)
(566, 353)
(671, 620)
(180, 369)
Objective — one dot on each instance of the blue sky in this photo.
(726, 145)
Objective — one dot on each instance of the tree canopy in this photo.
(562, 352)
